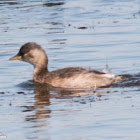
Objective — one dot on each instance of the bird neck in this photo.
(40, 68)
(39, 73)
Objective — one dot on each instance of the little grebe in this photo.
(70, 77)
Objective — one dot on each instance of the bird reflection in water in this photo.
(42, 100)
(43, 94)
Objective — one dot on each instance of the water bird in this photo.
(69, 77)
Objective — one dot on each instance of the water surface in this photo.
(73, 33)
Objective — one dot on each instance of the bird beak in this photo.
(17, 57)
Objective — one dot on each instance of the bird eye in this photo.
(20, 53)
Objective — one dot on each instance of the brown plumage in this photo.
(71, 77)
